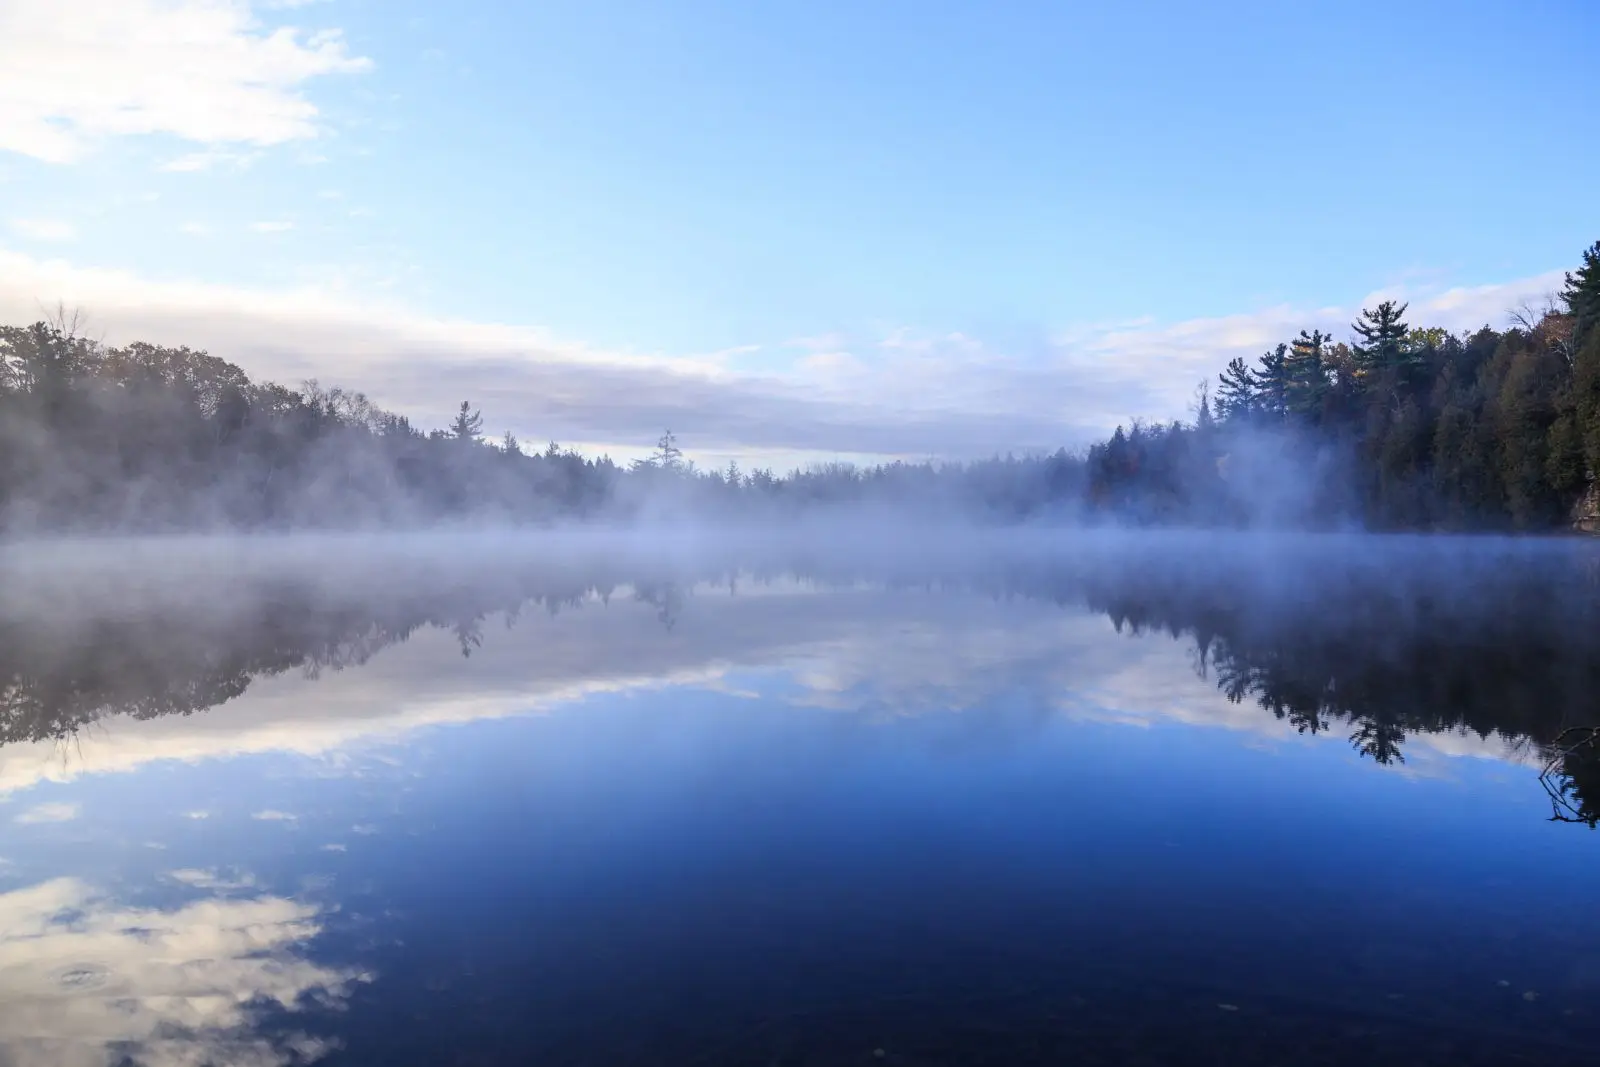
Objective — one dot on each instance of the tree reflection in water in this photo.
(1490, 639)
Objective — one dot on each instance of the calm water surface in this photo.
(1002, 817)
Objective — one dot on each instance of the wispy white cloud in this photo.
(272, 226)
(271, 815)
(42, 813)
(195, 229)
(205, 71)
(1151, 369)
(36, 229)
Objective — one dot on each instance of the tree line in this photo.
(146, 437)
(1397, 427)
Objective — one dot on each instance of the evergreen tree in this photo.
(1582, 296)
(1452, 439)
(1565, 467)
(1586, 398)
(668, 456)
(1382, 348)
(468, 424)
(1236, 398)
(1463, 460)
(1272, 383)
(1524, 413)
(1399, 450)
(1307, 376)
(1204, 423)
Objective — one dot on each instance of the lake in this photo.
(1007, 799)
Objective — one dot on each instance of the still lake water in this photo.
(1268, 809)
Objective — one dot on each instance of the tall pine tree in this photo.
(1382, 349)
(1582, 297)
(468, 424)
(1236, 395)
(1272, 382)
(1307, 375)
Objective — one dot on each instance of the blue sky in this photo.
(869, 228)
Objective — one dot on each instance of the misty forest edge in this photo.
(1399, 428)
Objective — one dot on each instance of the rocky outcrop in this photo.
(1586, 512)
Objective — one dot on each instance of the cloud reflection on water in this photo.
(855, 650)
(86, 981)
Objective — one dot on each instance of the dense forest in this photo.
(1399, 426)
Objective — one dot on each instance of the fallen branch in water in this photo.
(1573, 743)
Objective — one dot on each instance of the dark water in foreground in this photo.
(1007, 814)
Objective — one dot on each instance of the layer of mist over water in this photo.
(1464, 575)
(823, 793)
